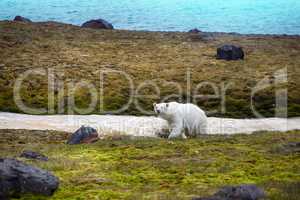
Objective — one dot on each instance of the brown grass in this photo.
(77, 54)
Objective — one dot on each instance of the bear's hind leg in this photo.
(177, 131)
(183, 136)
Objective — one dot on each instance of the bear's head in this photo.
(161, 109)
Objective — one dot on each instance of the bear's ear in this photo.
(167, 105)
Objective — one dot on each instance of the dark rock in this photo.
(242, 192)
(83, 135)
(195, 30)
(209, 198)
(230, 52)
(21, 19)
(33, 155)
(18, 178)
(97, 24)
(196, 35)
(293, 144)
(290, 147)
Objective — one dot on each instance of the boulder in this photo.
(195, 30)
(242, 192)
(293, 145)
(33, 155)
(196, 35)
(230, 52)
(21, 19)
(19, 178)
(83, 135)
(97, 24)
(290, 147)
(209, 198)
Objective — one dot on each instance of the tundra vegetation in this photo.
(121, 167)
(75, 54)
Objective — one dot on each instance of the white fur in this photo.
(184, 119)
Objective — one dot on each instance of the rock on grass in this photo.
(33, 155)
(19, 178)
(242, 192)
(230, 52)
(21, 19)
(84, 135)
(97, 24)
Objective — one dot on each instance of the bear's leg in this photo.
(203, 128)
(177, 131)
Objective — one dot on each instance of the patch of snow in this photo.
(139, 126)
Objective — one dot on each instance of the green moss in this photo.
(157, 168)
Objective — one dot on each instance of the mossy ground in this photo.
(150, 168)
(76, 54)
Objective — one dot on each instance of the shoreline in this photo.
(212, 33)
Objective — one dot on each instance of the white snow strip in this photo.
(138, 126)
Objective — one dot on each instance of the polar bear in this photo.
(183, 119)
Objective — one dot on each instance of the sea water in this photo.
(242, 16)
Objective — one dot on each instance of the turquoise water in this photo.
(242, 16)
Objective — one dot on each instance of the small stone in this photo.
(33, 155)
(195, 30)
(242, 192)
(209, 198)
(21, 19)
(294, 144)
(85, 135)
(290, 147)
(230, 52)
(97, 24)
